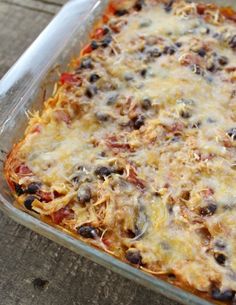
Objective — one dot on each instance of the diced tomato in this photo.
(105, 18)
(207, 157)
(99, 33)
(111, 8)
(58, 216)
(68, 78)
(56, 194)
(230, 69)
(205, 9)
(113, 142)
(201, 8)
(45, 196)
(178, 126)
(228, 13)
(135, 180)
(227, 143)
(37, 129)
(190, 59)
(61, 115)
(107, 242)
(11, 185)
(87, 49)
(23, 170)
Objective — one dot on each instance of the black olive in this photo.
(196, 125)
(232, 133)
(185, 114)
(86, 63)
(119, 171)
(155, 53)
(208, 210)
(106, 30)
(84, 194)
(232, 42)
(171, 276)
(131, 234)
(207, 31)
(88, 231)
(211, 67)
(120, 13)
(133, 256)
(214, 54)
(168, 6)
(18, 189)
(94, 77)
(178, 44)
(169, 50)
(139, 5)
(103, 171)
(128, 76)
(139, 122)
(82, 175)
(102, 117)
(201, 52)
(216, 35)
(175, 139)
(103, 154)
(219, 244)
(28, 202)
(33, 187)
(112, 99)
(197, 69)
(143, 72)
(94, 45)
(227, 295)
(76, 179)
(170, 209)
(91, 91)
(223, 60)
(106, 41)
(220, 258)
(211, 120)
(146, 103)
(145, 23)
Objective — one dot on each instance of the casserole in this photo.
(13, 111)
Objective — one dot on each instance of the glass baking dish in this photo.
(24, 88)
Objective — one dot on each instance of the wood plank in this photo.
(51, 2)
(19, 27)
(56, 2)
(38, 6)
(26, 257)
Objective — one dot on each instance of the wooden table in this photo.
(34, 270)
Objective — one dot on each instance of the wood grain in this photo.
(34, 270)
(39, 6)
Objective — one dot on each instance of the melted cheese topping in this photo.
(143, 126)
